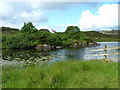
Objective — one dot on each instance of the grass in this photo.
(99, 37)
(63, 74)
(108, 39)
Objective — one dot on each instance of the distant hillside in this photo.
(112, 32)
(112, 35)
(8, 30)
(105, 35)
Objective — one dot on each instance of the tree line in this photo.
(29, 37)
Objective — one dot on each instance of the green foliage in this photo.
(44, 30)
(72, 29)
(29, 36)
(97, 36)
(54, 39)
(62, 74)
(19, 40)
(6, 30)
(42, 36)
(29, 28)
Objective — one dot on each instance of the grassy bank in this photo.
(63, 74)
(102, 37)
(111, 39)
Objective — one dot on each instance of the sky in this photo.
(58, 15)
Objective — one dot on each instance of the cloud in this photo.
(7, 24)
(50, 5)
(43, 27)
(61, 1)
(15, 13)
(104, 19)
(58, 28)
(34, 16)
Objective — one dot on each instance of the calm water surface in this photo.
(86, 53)
(35, 56)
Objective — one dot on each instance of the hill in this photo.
(112, 35)
(115, 33)
(8, 30)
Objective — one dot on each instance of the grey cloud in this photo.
(11, 11)
(61, 5)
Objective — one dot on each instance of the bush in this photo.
(29, 36)
(29, 28)
(72, 29)
(19, 40)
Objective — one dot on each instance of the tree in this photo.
(44, 30)
(72, 29)
(54, 39)
(28, 27)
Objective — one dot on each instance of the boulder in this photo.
(92, 44)
(58, 47)
(75, 45)
(44, 47)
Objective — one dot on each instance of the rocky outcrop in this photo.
(44, 47)
(75, 45)
(58, 47)
(78, 45)
(92, 44)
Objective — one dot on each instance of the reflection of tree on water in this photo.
(34, 56)
(26, 56)
(77, 54)
(69, 55)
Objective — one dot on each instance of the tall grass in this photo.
(63, 74)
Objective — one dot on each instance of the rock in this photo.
(44, 47)
(58, 47)
(84, 45)
(38, 47)
(92, 44)
(76, 45)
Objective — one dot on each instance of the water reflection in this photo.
(29, 57)
(24, 56)
(85, 53)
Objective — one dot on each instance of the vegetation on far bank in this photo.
(63, 74)
(29, 37)
(103, 37)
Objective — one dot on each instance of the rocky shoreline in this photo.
(74, 45)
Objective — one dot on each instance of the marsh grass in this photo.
(63, 74)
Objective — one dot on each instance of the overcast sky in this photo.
(59, 15)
